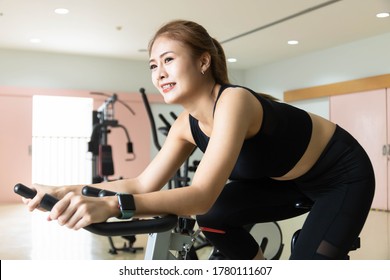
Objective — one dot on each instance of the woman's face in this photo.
(175, 72)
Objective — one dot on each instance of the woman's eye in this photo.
(152, 66)
(168, 59)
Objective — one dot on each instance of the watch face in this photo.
(127, 202)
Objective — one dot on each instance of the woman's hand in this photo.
(33, 203)
(76, 211)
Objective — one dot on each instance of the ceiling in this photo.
(255, 32)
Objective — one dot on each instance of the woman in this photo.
(272, 153)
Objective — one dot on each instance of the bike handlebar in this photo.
(122, 228)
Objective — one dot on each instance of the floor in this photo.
(26, 235)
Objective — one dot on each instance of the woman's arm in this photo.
(238, 116)
(76, 211)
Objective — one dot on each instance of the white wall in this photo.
(355, 60)
(64, 71)
(51, 70)
(365, 58)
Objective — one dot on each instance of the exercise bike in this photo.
(164, 240)
(162, 243)
(169, 237)
(268, 235)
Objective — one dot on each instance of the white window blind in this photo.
(61, 130)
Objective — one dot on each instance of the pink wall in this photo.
(16, 134)
(366, 116)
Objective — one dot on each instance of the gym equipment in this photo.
(268, 235)
(270, 238)
(307, 205)
(171, 237)
(103, 120)
(181, 178)
(102, 161)
(162, 242)
(179, 238)
(158, 224)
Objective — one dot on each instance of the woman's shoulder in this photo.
(244, 89)
(236, 91)
(233, 95)
(181, 126)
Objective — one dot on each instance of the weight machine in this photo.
(102, 161)
(103, 121)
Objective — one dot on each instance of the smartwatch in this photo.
(126, 205)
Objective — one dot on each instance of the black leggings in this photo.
(341, 184)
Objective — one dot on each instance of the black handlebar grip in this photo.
(47, 201)
(106, 193)
(24, 191)
(162, 224)
(95, 192)
(90, 191)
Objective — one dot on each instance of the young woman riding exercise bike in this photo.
(268, 152)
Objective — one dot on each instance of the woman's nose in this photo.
(162, 74)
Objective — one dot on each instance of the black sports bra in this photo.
(277, 147)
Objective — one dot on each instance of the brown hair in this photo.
(199, 41)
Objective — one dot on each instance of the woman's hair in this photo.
(199, 41)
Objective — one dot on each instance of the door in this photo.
(364, 115)
(388, 149)
(15, 144)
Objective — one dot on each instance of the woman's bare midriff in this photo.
(321, 134)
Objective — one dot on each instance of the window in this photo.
(61, 130)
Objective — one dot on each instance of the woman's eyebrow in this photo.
(161, 55)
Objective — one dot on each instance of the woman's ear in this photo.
(205, 61)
